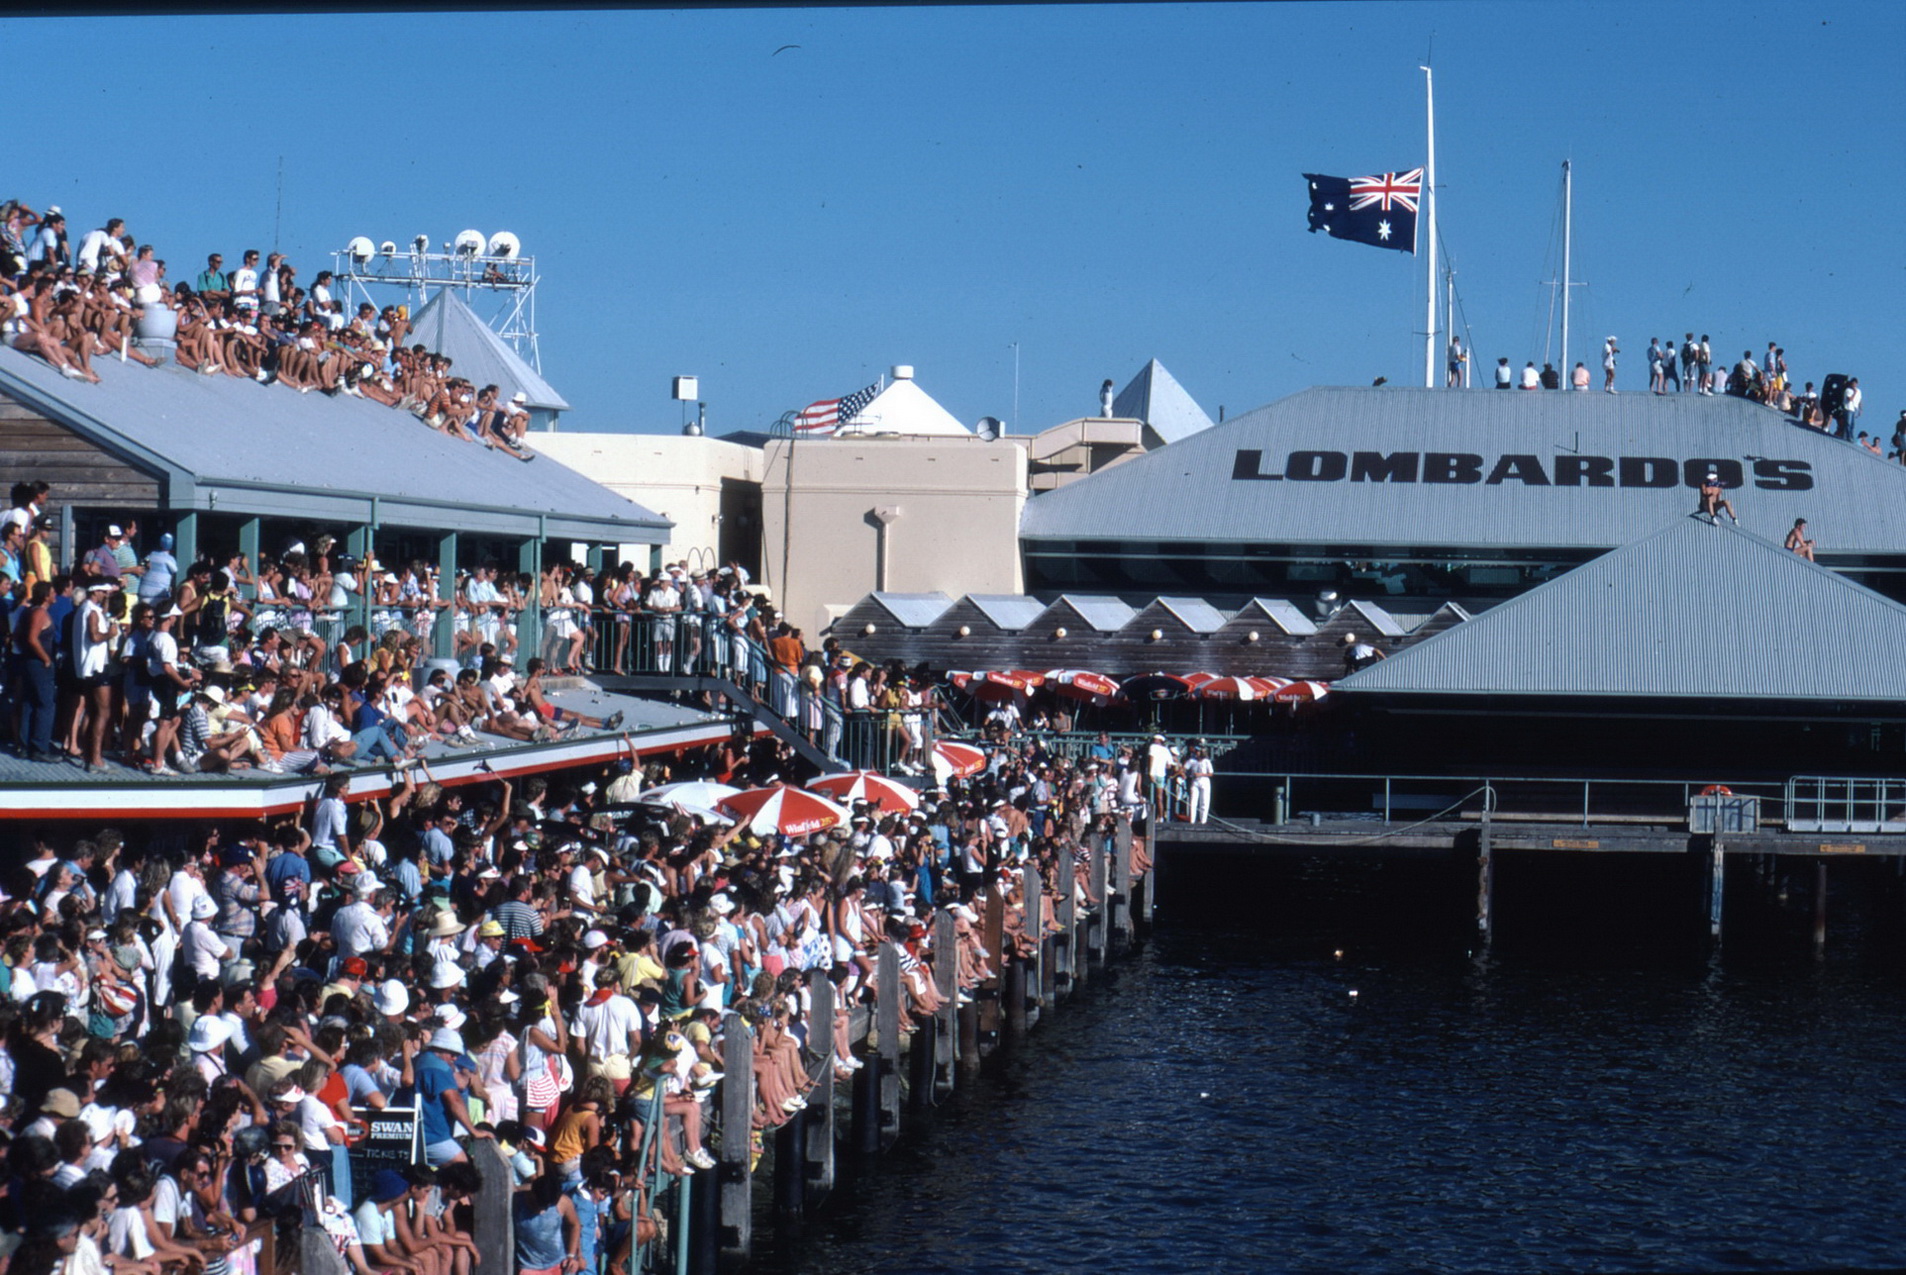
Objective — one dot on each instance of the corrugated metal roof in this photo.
(222, 429)
(1376, 617)
(1104, 614)
(1290, 474)
(1285, 615)
(914, 610)
(447, 325)
(1197, 615)
(1692, 611)
(1155, 397)
(1009, 611)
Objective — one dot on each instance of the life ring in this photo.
(1717, 790)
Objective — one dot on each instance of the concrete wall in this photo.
(951, 517)
(674, 475)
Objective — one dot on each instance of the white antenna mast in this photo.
(1568, 244)
(1429, 201)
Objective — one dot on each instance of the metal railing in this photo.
(1817, 803)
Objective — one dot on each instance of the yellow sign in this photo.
(1829, 847)
(1561, 843)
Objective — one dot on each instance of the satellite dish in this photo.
(360, 249)
(420, 244)
(505, 245)
(989, 428)
(469, 243)
(388, 248)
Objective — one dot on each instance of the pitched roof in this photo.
(913, 610)
(250, 442)
(1155, 397)
(1691, 611)
(1103, 614)
(1285, 615)
(1009, 611)
(1195, 614)
(1332, 471)
(904, 408)
(1374, 616)
(447, 325)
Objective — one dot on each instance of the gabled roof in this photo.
(904, 408)
(1102, 614)
(1156, 398)
(447, 325)
(1693, 611)
(1195, 614)
(1337, 472)
(913, 610)
(1285, 615)
(1361, 613)
(234, 445)
(1009, 611)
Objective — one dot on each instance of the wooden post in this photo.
(317, 1255)
(1066, 947)
(922, 1066)
(790, 1171)
(1096, 924)
(733, 1170)
(1015, 994)
(1032, 888)
(1485, 884)
(493, 1225)
(1716, 879)
(1121, 899)
(817, 1155)
(529, 621)
(1819, 907)
(887, 970)
(995, 960)
(946, 1023)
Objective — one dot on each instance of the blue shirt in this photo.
(439, 846)
(435, 1077)
(286, 866)
(161, 570)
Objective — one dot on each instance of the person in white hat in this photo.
(207, 1040)
(204, 950)
(443, 1073)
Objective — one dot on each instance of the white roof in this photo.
(904, 408)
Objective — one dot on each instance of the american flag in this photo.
(817, 420)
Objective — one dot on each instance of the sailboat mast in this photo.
(1429, 199)
(1568, 245)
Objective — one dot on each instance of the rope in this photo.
(1272, 838)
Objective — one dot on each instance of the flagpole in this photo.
(1429, 199)
(1568, 246)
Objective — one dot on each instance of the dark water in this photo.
(1598, 1094)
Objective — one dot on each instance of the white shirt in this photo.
(204, 949)
(182, 890)
(359, 929)
(91, 247)
(609, 1026)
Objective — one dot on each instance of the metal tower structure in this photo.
(493, 269)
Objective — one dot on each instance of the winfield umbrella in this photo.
(1154, 686)
(990, 686)
(1078, 683)
(1195, 680)
(1267, 687)
(1239, 688)
(1301, 692)
(693, 797)
(794, 812)
(953, 758)
(866, 785)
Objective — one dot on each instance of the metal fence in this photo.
(1815, 803)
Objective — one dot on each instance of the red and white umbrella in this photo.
(1301, 692)
(794, 812)
(691, 797)
(1079, 683)
(866, 785)
(951, 758)
(1238, 688)
(1268, 687)
(1195, 680)
(993, 685)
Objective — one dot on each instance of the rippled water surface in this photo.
(1222, 1102)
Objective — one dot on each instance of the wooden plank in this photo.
(995, 929)
(1032, 888)
(887, 970)
(733, 1168)
(1121, 899)
(1065, 950)
(946, 1023)
(818, 1151)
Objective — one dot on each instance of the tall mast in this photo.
(1429, 199)
(1568, 245)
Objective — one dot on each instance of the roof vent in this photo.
(903, 371)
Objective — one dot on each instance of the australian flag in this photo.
(1379, 210)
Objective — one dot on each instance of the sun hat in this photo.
(593, 940)
(203, 909)
(392, 998)
(490, 930)
(63, 1103)
(447, 1040)
(445, 924)
(292, 1095)
(208, 1032)
(452, 1017)
(444, 975)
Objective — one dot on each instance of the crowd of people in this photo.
(200, 1021)
(72, 305)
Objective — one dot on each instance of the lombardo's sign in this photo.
(1564, 469)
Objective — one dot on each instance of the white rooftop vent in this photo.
(903, 371)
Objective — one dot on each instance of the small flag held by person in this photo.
(817, 420)
(1378, 210)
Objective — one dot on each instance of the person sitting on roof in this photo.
(1797, 541)
(32, 335)
(1712, 502)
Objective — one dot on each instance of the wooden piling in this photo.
(1032, 888)
(866, 1130)
(1819, 907)
(1120, 900)
(790, 1172)
(992, 988)
(1015, 994)
(817, 1150)
(733, 1170)
(1095, 925)
(492, 1224)
(887, 1012)
(946, 1023)
(1485, 884)
(1716, 883)
(1066, 942)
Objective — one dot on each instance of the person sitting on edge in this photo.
(1531, 379)
(1712, 502)
(1797, 541)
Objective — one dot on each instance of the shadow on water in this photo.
(1599, 1092)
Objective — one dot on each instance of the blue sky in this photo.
(1101, 185)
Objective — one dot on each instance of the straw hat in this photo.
(445, 925)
